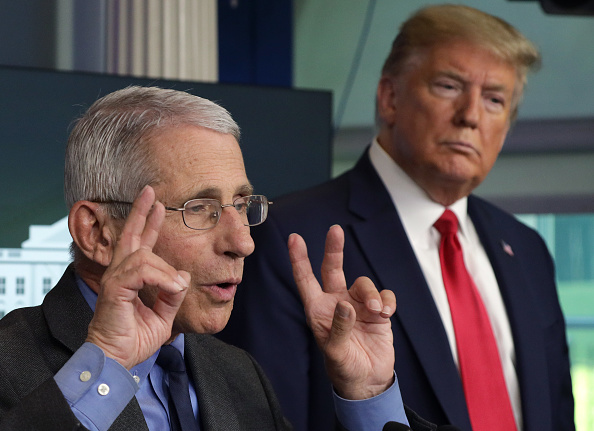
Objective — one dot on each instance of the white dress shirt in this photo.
(418, 213)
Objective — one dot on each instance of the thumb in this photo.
(342, 325)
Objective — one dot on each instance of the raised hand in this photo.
(123, 327)
(351, 326)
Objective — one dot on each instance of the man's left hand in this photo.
(352, 326)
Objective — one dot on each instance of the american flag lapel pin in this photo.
(507, 248)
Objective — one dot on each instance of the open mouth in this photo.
(224, 285)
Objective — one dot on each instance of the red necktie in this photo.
(486, 394)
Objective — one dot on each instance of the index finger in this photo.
(307, 284)
(142, 226)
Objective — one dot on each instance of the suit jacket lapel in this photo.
(68, 317)
(521, 309)
(379, 231)
(216, 408)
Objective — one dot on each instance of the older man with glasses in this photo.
(160, 209)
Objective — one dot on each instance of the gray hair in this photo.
(440, 24)
(107, 155)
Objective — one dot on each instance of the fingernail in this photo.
(342, 311)
(374, 305)
(387, 310)
(182, 281)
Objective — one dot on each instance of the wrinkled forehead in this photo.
(189, 159)
(457, 56)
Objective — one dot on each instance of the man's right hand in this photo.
(123, 327)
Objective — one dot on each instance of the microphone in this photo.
(396, 426)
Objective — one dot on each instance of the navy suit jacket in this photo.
(376, 246)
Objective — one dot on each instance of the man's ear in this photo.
(386, 95)
(93, 231)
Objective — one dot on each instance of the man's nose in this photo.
(235, 240)
(469, 109)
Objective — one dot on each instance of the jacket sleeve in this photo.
(44, 409)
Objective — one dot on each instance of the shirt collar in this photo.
(416, 210)
(87, 293)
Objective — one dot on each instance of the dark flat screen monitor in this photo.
(286, 137)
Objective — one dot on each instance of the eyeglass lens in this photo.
(205, 213)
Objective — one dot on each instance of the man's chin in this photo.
(199, 323)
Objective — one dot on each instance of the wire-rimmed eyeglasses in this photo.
(203, 214)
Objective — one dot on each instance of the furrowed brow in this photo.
(245, 190)
(216, 193)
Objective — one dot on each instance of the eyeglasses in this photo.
(203, 214)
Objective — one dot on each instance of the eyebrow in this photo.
(215, 192)
(456, 76)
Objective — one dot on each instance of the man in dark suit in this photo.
(160, 215)
(448, 94)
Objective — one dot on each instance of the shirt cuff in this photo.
(97, 388)
(372, 413)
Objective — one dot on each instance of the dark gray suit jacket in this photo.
(232, 390)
